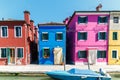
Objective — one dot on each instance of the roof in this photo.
(50, 24)
(91, 12)
(9, 20)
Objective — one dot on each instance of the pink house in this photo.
(87, 39)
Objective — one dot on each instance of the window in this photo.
(115, 37)
(101, 54)
(3, 52)
(115, 19)
(4, 31)
(19, 52)
(46, 52)
(82, 19)
(45, 36)
(82, 35)
(82, 54)
(114, 54)
(102, 19)
(102, 36)
(18, 31)
(59, 36)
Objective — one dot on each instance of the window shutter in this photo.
(106, 20)
(86, 19)
(105, 35)
(86, 36)
(78, 35)
(78, 54)
(98, 19)
(79, 19)
(98, 35)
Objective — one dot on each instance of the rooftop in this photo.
(50, 23)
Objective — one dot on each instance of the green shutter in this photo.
(86, 19)
(79, 19)
(106, 20)
(78, 54)
(105, 35)
(98, 19)
(78, 35)
(86, 36)
(114, 35)
(98, 35)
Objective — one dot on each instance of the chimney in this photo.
(67, 20)
(27, 17)
(98, 7)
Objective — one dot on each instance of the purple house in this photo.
(87, 39)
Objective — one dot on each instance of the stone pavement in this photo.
(44, 68)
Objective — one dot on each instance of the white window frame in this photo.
(43, 49)
(102, 50)
(81, 50)
(113, 19)
(45, 33)
(103, 23)
(105, 36)
(0, 52)
(17, 53)
(60, 33)
(83, 17)
(2, 31)
(83, 32)
(117, 53)
(15, 32)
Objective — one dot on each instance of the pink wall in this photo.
(92, 28)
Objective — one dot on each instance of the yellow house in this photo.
(114, 38)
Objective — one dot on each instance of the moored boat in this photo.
(77, 74)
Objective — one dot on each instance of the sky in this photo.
(42, 11)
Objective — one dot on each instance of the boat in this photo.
(78, 74)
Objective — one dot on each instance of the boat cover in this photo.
(83, 72)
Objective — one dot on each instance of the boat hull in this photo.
(76, 74)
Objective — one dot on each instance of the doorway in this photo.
(58, 55)
(92, 56)
(11, 56)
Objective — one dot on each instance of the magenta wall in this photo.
(92, 42)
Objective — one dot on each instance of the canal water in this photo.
(35, 78)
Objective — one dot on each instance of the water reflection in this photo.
(35, 78)
(24, 78)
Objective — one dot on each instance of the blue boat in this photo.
(78, 74)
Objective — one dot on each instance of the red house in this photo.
(15, 39)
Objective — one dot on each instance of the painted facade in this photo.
(87, 39)
(15, 38)
(52, 43)
(114, 38)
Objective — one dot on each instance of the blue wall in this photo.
(52, 42)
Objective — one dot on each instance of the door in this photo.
(11, 55)
(58, 56)
(92, 56)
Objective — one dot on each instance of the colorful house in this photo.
(15, 39)
(87, 40)
(114, 38)
(52, 43)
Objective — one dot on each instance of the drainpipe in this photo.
(65, 51)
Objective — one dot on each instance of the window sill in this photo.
(81, 40)
(17, 37)
(4, 37)
(82, 23)
(45, 40)
(59, 40)
(102, 23)
(101, 40)
(3, 58)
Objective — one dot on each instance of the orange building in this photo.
(15, 39)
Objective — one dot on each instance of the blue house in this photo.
(52, 43)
